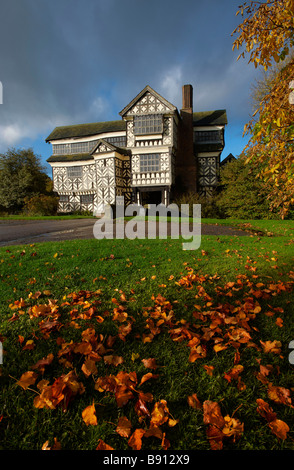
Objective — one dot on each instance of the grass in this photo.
(134, 273)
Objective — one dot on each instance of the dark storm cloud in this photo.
(69, 61)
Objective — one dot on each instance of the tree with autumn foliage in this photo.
(267, 33)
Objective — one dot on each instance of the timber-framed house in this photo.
(153, 151)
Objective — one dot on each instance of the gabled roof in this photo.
(110, 148)
(228, 159)
(83, 130)
(210, 118)
(141, 94)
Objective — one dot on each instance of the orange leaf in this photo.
(124, 427)
(148, 376)
(27, 379)
(271, 346)
(103, 446)
(89, 415)
(265, 410)
(212, 414)
(209, 370)
(154, 431)
(123, 395)
(56, 445)
(113, 360)
(141, 408)
(29, 345)
(279, 428)
(215, 437)
(160, 413)
(135, 440)
(150, 363)
(194, 402)
(196, 353)
(279, 395)
(234, 372)
(89, 367)
(233, 428)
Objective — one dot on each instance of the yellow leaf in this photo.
(89, 415)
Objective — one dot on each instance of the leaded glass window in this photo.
(119, 141)
(74, 172)
(149, 162)
(87, 198)
(148, 124)
(208, 136)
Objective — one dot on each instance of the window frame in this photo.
(150, 163)
(148, 124)
(73, 176)
(87, 196)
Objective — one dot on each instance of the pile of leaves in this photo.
(211, 328)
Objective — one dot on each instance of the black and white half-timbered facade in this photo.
(147, 155)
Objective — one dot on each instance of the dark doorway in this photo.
(151, 197)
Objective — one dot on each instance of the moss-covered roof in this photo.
(70, 158)
(210, 118)
(83, 130)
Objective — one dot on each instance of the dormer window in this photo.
(148, 124)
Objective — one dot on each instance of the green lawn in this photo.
(217, 321)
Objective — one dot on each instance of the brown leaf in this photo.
(150, 363)
(123, 395)
(212, 414)
(279, 395)
(271, 346)
(194, 402)
(113, 360)
(215, 437)
(265, 410)
(234, 373)
(141, 408)
(124, 427)
(135, 440)
(43, 362)
(154, 431)
(89, 367)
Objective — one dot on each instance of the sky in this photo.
(68, 62)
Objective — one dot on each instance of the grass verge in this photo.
(217, 323)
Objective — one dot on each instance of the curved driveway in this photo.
(17, 232)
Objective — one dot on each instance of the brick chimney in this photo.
(186, 162)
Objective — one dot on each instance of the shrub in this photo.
(41, 205)
(210, 206)
(242, 194)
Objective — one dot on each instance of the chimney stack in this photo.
(187, 94)
(186, 161)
